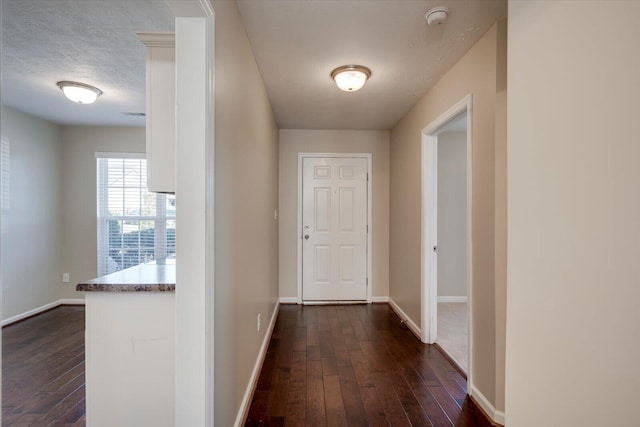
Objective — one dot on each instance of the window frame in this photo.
(103, 247)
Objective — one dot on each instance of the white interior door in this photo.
(334, 229)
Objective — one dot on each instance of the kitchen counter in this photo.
(152, 277)
(130, 346)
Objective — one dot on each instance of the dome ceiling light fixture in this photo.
(79, 92)
(350, 78)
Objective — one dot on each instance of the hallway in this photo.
(356, 365)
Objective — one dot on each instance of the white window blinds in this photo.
(134, 225)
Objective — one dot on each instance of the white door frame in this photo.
(429, 274)
(369, 234)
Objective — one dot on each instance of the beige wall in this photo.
(452, 214)
(31, 246)
(475, 73)
(574, 214)
(501, 213)
(293, 142)
(79, 223)
(246, 234)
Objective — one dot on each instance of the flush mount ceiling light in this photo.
(79, 92)
(350, 78)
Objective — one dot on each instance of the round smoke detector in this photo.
(436, 16)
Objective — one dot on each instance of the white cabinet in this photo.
(161, 111)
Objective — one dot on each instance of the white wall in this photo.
(452, 214)
(79, 223)
(574, 214)
(293, 142)
(31, 247)
(52, 216)
(246, 194)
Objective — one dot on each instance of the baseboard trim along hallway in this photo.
(405, 319)
(452, 299)
(493, 414)
(253, 381)
(294, 300)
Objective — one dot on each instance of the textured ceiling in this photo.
(298, 42)
(90, 41)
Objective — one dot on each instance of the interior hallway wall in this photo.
(246, 196)
(293, 142)
(500, 214)
(32, 219)
(476, 73)
(79, 220)
(574, 214)
(452, 214)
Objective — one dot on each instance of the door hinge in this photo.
(367, 177)
(367, 228)
(367, 281)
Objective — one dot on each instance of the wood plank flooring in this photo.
(351, 365)
(356, 365)
(43, 373)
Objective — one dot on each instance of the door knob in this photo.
(306, 237)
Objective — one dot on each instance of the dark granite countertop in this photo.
(152, 277)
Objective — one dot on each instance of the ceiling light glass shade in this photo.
(350, 78)
(80, 92)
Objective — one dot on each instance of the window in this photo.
(134, 225)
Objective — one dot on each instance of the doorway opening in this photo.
(334, 217)
(446, 233)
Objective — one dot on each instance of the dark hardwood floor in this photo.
(353, 365)
(356, 365)
(43, 370)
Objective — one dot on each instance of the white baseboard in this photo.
(495, 415)
(294, 300)
(334, 302)
(406, 320)
(453, 299)
(29, 313)
(253, 381)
